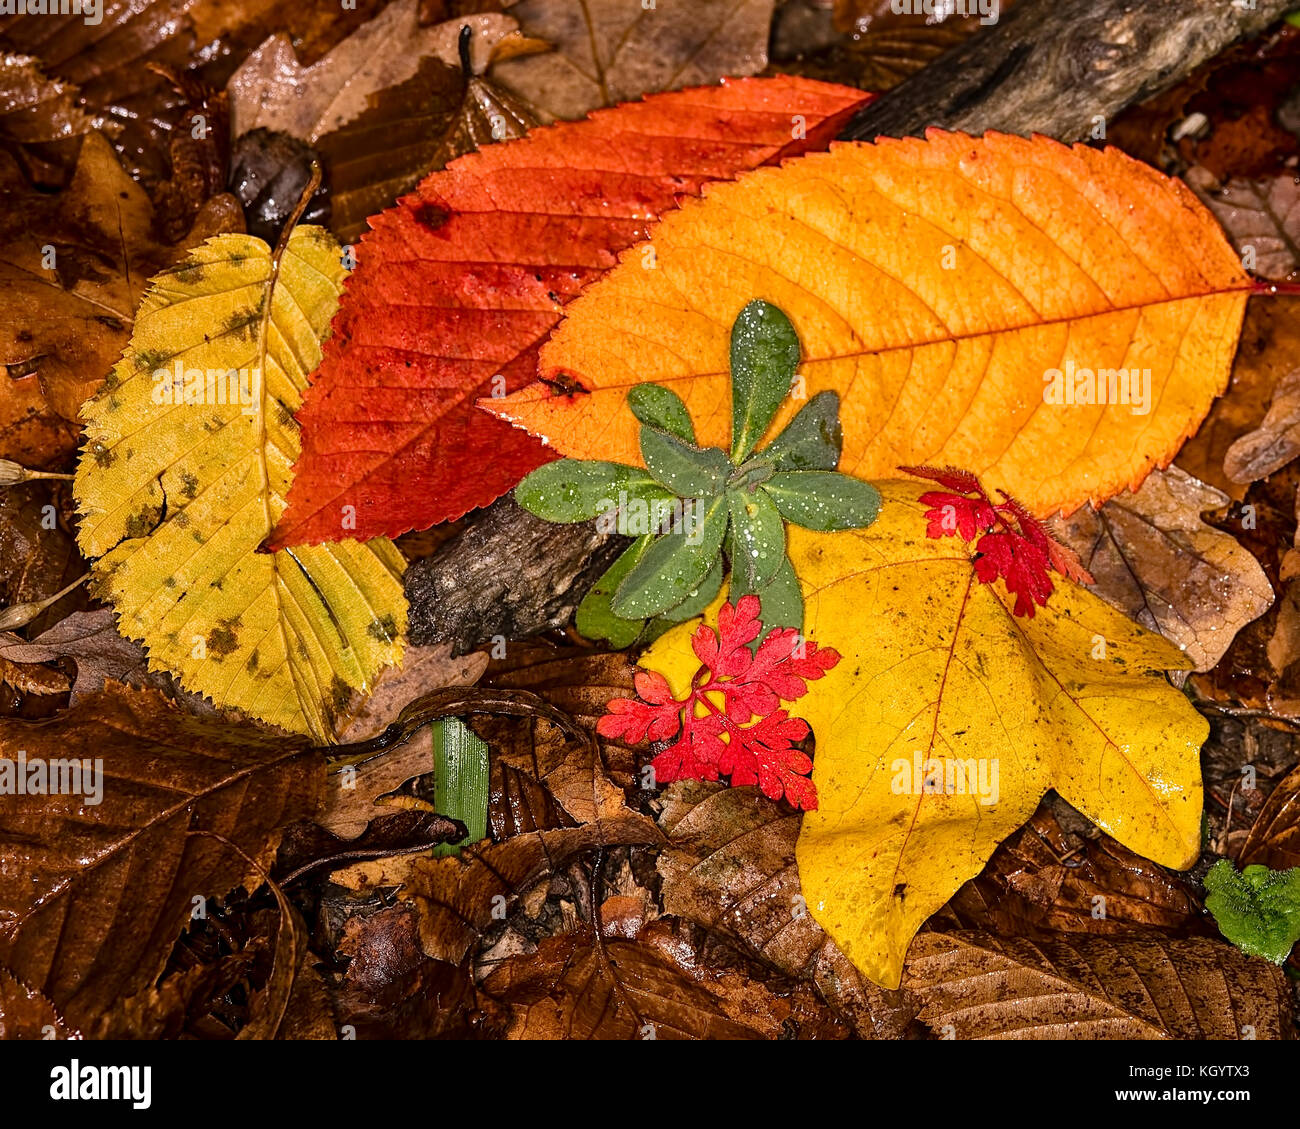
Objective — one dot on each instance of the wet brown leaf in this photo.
(26, 1014)
(1261, 217)
(93, 896)
(979, 986)
(1155, 560)
(41, 116)
(91, 640)
(730, 867)
(655, 987)
(38, 553)
(1044, 881)
(1274, 839)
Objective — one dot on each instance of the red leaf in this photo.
(462, 281)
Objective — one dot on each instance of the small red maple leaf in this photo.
(716, 738)
(1012, 542)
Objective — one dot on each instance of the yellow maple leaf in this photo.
(935, 284)
(948, 718)
(188, 456)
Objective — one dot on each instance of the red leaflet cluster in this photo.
(734, 686)
(1012, 543)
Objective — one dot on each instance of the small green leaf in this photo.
(1258, 910)
(757, 537)
(697, 601)
(688, 471)
(660, 407)
(764, 357)
(781, 597)
(576, 490)
(595, 618)
(460, 780)
(674, 566)
(813, 439)
(823, 500)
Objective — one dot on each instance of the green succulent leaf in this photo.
(764, 357)
(1258, 909)
(697, 601)
(823, 500)
(813, 439)
(570, 490)
(660, 407)
(595, 618)
(675, 566)
(688, 471)
(781, 597)
(757, 537)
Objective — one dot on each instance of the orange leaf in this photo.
(934, 283)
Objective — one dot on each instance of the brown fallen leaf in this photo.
(390, 989)
(1260, 216)
(460, 897)
(423, 670)
(308, 848)
(1274, 838)
(1044, 881)
(74, 267)
(1154, 559)
(730, 867)
(38, 552)
(610, 51)
(40, 116)
(1275, 442)
(26, 1014)
(1270, 342)
(272, 90)
(980, 986)
(654, 987)
(94, 889)
(91, 640)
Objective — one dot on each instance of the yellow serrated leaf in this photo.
(940, 686)
(188, 456)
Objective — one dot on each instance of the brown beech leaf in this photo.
(1274, 839)
(459, 897)
(94, 894)
(1260, 216)
(980, 986)
(610, 51)
(307, 847)
(1270, 343)
(652, 987)
(730, 867)
(1155, 560)
(1043, 881)
(91, 640)
(26, 1014)
(272, 90)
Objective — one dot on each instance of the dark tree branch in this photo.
(1048, 66)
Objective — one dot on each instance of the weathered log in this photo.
(1048, 66)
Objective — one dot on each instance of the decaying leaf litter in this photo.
(421, 344)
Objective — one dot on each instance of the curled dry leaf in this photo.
(87, 934)
(1261, 217)
(608, 51)
(979, 986)
(1274, 839)
(1275, 442)
(1154, 559)
(932, 282)
(730, 867)
(272, 90)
